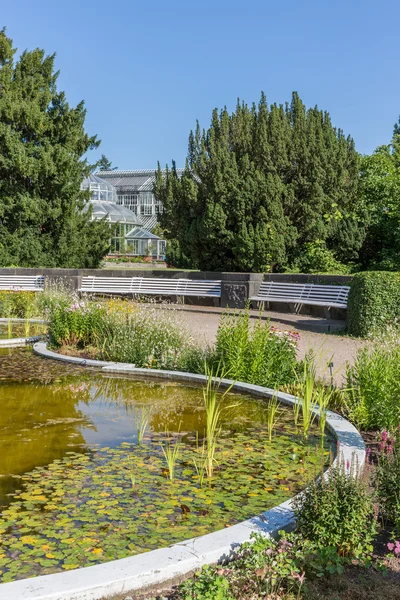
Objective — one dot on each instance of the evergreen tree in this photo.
(42, 144)
(104, 164)
(259, 185)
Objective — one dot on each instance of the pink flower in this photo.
(390, 546)
(384, 435)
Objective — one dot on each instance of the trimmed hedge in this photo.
(374, 302)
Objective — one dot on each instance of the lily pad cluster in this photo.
(87, 508)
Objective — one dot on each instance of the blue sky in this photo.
(147, 70)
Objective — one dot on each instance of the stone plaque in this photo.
(234, 295)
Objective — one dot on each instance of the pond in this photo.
(21, 329)
(79, 485)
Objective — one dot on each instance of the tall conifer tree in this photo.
(42, 144)
(259, 185)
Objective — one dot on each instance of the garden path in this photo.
(314, 335)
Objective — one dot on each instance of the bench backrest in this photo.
(30, 283)
(151, 285)
(336, 294)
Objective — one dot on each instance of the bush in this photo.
(374, 303)
(317, 258)
(373, 387)
(387, 479)
(338, 512)
(259, 354)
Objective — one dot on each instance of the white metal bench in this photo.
(159, 286)
(334, 296)
(24, 283)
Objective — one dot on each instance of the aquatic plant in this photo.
(213, 400)
(171, 450)
(272, 415)
(144, 418)
(200, 460)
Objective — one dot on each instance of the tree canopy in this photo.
(380, 192)
(42, 147)
(259, 185)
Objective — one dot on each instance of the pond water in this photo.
(21, 329)
(77, 486)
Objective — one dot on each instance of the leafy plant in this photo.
(256, 353)
(338, 511)
(387, 479)
(206, 585)
(373, 386)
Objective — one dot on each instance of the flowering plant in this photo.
(387, 478)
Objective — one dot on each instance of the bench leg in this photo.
(297, 308)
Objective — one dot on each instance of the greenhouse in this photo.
(128, 235)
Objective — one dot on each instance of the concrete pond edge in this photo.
(164, 564)
(19, 342)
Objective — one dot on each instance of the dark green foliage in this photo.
(338, 512)
(104, 164)
(42, 144)
(374, 303)
(258, 185)
(380, 193)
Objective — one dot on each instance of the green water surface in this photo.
(76, 487)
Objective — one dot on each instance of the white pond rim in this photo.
(159, 566)
(22, 341)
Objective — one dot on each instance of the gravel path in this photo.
(313, 336)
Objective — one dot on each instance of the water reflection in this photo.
(40, 423)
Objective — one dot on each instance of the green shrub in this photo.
(387, 479)
(374, 303)
(338, 512)
(317, 258)
(255, 354)
(373, 387)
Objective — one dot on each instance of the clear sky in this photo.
(147, 70)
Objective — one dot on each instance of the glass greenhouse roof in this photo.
(102, 191)
(138, 233)
(115, 213)
(103, 202)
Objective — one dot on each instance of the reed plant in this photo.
(272, 415)
(308, 406)
(213, 403)
(171, 450)
(144, 418)
(200, 460)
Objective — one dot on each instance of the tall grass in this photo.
(373, 386)
(254, 352)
